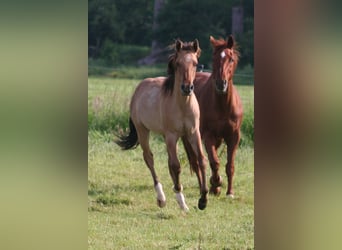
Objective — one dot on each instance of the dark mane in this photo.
(171, 69)
(170, 80)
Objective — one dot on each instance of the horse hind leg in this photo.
(143, 135)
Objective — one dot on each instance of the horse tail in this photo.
(129, 141)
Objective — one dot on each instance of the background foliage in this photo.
(117, 23)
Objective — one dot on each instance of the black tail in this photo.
(128, 141)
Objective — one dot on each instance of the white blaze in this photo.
(223, 54)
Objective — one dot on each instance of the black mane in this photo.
(170, 80)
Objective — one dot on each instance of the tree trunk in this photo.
(156, 49)
(237, 20)
(158, 4)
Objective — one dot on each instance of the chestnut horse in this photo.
(168, 106)
(221, 110)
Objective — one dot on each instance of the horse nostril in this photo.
(191, 87)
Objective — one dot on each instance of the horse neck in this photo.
(223, 101)
(182, 100)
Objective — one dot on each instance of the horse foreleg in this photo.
(200, 168)
(175, 170)
(194, 165)
(211, 146)
(232, 145)
(143, 135)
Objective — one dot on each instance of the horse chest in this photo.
(179, 123)
(218, 125)
(182, 124)
(181, 117)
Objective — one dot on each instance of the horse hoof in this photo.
(230, 196)
(202, 204)
(161, 203)
(217, 182)
(215, 191)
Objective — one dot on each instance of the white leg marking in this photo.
(181, 201)
(230, 196)
(161, 200)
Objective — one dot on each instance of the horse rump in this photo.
(129, 141)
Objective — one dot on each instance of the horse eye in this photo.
(231, 60)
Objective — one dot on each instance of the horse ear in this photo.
(196, 45)
(230, 42)
(179, 45)
(212, 40)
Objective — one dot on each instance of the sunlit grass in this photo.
(122, 209)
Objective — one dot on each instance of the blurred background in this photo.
(44, 69)
(138, 32)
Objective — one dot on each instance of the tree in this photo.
(156, 48)
(114, 24)
(119, 22)
(102, 23)
(190, 19)
(135, 19)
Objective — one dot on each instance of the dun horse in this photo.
(221, 110)
(168, 107)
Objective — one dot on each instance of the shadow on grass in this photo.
(111, 196)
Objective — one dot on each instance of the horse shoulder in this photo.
(235, 117)
(236, 102)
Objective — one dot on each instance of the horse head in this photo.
(225, 59)
(183, 65)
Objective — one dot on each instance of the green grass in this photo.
(122, 209)
(126, 72)
(108, 105)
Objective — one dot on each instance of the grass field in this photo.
(122, 209)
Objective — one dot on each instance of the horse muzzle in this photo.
(187, 89)
(221, 86)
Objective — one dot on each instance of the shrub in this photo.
(118, 54)
(247, 128)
